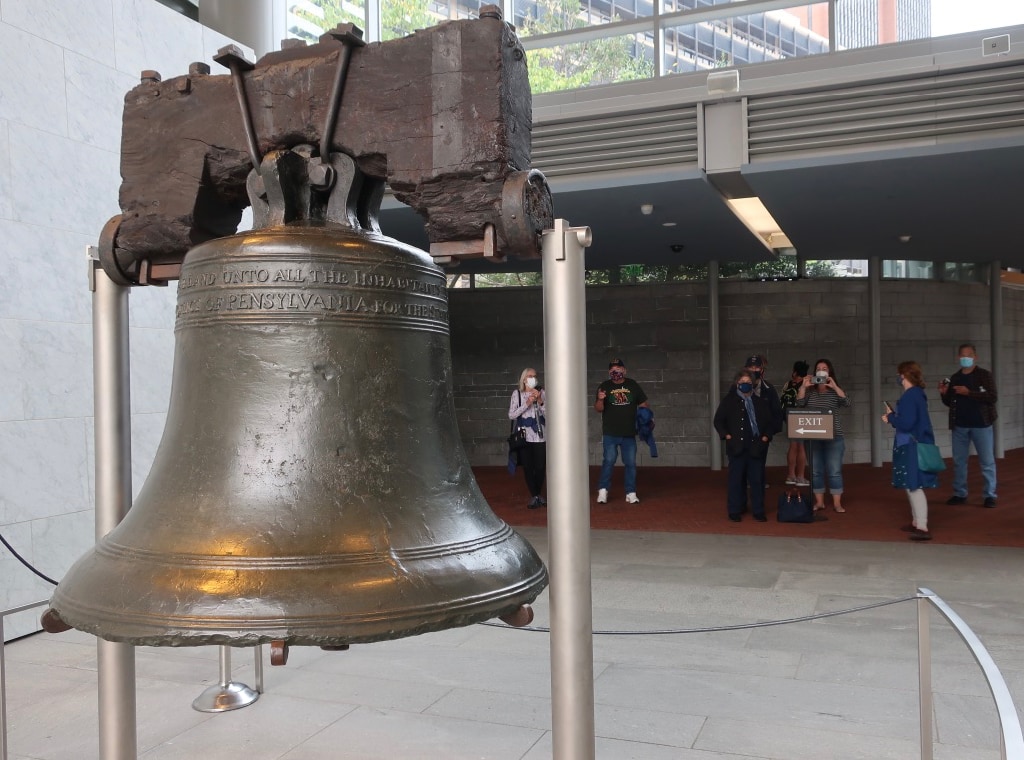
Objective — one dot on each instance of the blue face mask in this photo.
(745, 387)
(966, 361)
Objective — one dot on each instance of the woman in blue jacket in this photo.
(913, 425)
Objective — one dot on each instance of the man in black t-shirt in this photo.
(617, 400)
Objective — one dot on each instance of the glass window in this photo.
(593, 62)
(757, 37)
(546, 16)
(908, 269)
(308, 19)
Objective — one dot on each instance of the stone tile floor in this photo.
(840, 687)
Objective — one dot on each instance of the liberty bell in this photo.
(310, 487)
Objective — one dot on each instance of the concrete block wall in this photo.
(661, 331)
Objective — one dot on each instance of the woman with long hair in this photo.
(821, 391)
(527, 407)
(913, 425)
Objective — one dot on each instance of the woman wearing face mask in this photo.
(821, 391)
(527, 404)
(744, 421)
(913, 426)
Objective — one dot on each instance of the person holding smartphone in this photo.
(913, 425)
(821, 391)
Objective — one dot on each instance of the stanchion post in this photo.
(924, 673)
(565, 362)
(112, 410)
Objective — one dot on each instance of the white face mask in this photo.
(531, 382)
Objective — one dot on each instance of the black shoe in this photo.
(990, 502)
(735, 518)
(920, 535)
(543, 501)
(760, 518)
(534, 503)
(954, 500)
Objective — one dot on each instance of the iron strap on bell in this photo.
(310, 486)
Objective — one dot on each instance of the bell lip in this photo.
(174, 631)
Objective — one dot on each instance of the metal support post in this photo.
(924, 675)
(112, 410)
(227, 694)
(565, 363)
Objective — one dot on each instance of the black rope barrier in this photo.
(715, 628)
(25, 562)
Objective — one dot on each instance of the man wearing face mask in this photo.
(757, 366)
(617, 400)
(744, 421)
(971, 397)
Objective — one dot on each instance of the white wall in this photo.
(65, 66)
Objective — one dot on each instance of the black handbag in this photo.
(517, 435)
(795, 507)
(517, 438)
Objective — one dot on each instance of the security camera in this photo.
(676, 247)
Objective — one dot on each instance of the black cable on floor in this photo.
(712, 629)
(25, 562)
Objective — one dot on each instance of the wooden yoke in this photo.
(443, 116)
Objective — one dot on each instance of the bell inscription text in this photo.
(313, 289)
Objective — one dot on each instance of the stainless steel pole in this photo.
(3, 695)
(112, 405)
(924, 674)
(565, 365)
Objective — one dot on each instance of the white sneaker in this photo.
(602, 495)
(631, 498)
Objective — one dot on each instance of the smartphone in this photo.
(888, 407)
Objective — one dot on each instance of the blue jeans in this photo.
(827, 461)
(982, 438)
(612, 445)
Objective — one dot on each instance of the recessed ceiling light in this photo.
(668, 224)
(904, 238)
(646, 209)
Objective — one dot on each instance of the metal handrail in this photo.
(3, 671)
(1011, 741)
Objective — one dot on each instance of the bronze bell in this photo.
(310, 486)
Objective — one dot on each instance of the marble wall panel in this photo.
(57, 369)
(43, 469)
(57, 542)
(32, 80)
(44, 274)
(85, 26)
(95, 98)
(21, 585)
(12, 399)
(152, 358)
(214, 41)
(6, 194)
(67, 185)
(153, 307)
(148, 35)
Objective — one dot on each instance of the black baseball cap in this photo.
(754, 361)
(616, 363)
